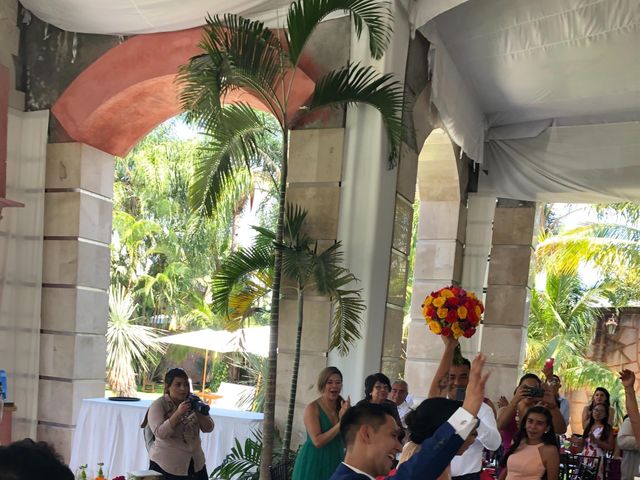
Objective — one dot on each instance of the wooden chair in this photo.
(148, 385)
(279, 471)
(209, 398)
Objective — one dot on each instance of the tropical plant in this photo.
(562, 322)
(609, 244)
(244, 460)
(244, 277)
(244, 55)
(130, 347)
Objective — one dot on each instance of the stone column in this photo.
(75, 282)
(439, 250)
(315, 175)
(504, 332)
(479, 230)
(392, 363)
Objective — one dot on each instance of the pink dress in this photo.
(525, 463)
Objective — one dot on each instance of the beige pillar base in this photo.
(77, 233)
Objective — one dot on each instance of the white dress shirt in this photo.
(403, 409)
(488, 437)
(564, 409)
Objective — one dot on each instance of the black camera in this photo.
(198, 405)
(534, 392)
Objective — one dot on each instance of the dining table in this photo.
(109, 432)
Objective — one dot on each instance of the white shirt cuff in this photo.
(462, 422)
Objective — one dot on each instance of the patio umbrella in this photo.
(252, 340)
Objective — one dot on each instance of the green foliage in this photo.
(219, 374)
(162, 251)
(562, 324)
(130, 347)
(243, 281)
(243, 55)
(244, 460)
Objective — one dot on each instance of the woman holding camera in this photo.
(176, 451)
(530, 391)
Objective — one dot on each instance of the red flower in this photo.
(455, 290)
(446, 332)
(452, 316)
(468, 333)
(431, 311)
(453, 301)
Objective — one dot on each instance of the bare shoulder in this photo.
(549, 452)
(311, 408)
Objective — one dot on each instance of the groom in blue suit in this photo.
(371, 436)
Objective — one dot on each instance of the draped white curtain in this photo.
(21, 241)
(580, 164)
(126, 17)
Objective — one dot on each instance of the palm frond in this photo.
(345, 325)
(236, 269)
(129, 346)
(610, 245)
(355, 84)
(238, 54)
(232, 146)
(305, 15)
(294, 218)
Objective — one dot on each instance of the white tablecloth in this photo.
(110, 432)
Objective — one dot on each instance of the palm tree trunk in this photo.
(286, 442)
(268, 426)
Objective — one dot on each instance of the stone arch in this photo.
(105, 111)
(131, 89)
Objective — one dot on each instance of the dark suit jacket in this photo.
(434, 456)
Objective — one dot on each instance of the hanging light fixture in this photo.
(611, 324)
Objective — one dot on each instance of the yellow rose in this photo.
(456, 330)
(435, 327)
(462, 312)
(478, 311)
(446, 293)
(428, 300)
(438, 302)
(442, 312)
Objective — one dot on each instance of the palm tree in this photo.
(240, 54)
(562, 323)
(244, 278)
(130, 347)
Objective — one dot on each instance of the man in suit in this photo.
(371, 436)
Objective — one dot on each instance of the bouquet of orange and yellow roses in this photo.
(452, 312)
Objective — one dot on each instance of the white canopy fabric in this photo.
(253, 340)
(503, 73)
(545, 94)
(124, 17)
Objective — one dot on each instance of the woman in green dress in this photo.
(323, 450)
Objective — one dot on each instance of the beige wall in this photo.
(9, 43)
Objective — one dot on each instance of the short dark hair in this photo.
(26, 460)
(371, 380)
(429, 416)
(527, 376)
(461, 361)
(171, 375)
(364, 413)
